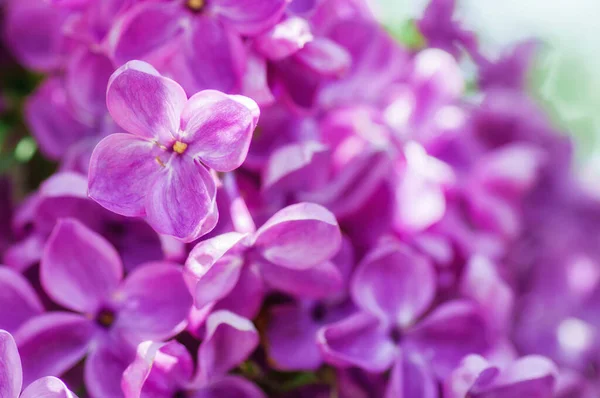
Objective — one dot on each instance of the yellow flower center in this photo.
(196, 5)
(180, 147)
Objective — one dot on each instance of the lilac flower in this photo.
(166, 369)
(531, 376)
(83, 273)
(394, 287)
(289, 253)
(163, 163)
(11, 377)
(196, 42)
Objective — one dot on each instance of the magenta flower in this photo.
(289, 253)
(83, 273)
(393, 288)
(160, 170)
(11, 376)
(197, 42)
(165, 370)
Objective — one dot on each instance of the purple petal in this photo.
(539, 373)
(86, 79)
(448, 334)
(322, 280)
(411, 377)
(213, 272)
(155, 303)
(47, 387)
(34, 33)
(52, 343)
(247, 296)
(299, 236)
(482, 283)
(104, 368)
(18, 300)
(249, 17)
(325, 57)
(186, 183)
(284, 39)
(11, 377)
(229, 340)
(123, 168)
(213, 57)
(159, 369)
(144, 103)
(230, 387)
(130, 37)
(458, 384)
(218, 128)
(394, 283)
(254, 82)
(298, 166)
(51, 120)
(359, 340)
(291, 334)
(79, 269)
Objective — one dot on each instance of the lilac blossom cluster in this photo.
(275, 198)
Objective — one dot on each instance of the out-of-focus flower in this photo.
(11, 377)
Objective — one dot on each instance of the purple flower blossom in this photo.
(290, 253)
(11, 377)
(393, 287)
(166, 369)
(164, 161)
(83, 273)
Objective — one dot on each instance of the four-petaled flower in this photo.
(161, 169)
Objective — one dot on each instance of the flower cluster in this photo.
(276, 198)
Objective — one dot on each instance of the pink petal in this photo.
(359, 340)
(394, 283)
(159, 369)
(212, 271)
(229, 340)
(155, 303)
(182, 203)
(218, 128)
(530, 367)
(11, 377)
(325, 57)
(320, 281)
(284, 39)
(254, 82)
(123, 168)
(144, 103)
(249, 17)
(52, 343)
(47, 387)
(299, 236)
(299, 166)
(18, 300)
(79, 268)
